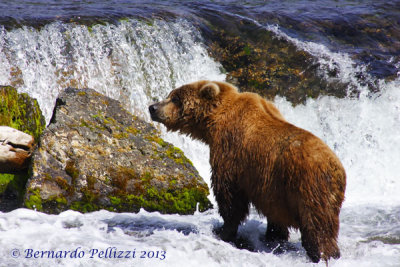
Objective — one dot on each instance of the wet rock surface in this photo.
(256, 60)
(20, 112)
(95, 155)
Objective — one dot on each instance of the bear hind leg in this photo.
(276, 237)
(329, 248)
(309, 242)
(318, 236)
(276, 233)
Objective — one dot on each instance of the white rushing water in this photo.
(139, 62)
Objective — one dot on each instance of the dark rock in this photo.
(257, 60)
(95, 155)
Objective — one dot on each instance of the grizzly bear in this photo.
(257, 157)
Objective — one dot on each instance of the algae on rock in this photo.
(96, 155)
(21, 112)
(257, 60)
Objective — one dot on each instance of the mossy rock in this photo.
(95, 155)
(19, 111)
(257, 60)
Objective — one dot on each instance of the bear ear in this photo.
(209, 91)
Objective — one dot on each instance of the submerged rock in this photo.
(21, 112)
(95, 155)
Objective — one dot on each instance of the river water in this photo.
(137, 52)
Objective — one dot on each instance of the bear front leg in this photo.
(276, 233)
(233, 208)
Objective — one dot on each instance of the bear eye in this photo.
(176, 100)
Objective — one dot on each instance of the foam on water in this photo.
(139, 62)
(187, 240)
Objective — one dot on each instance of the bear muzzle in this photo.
(153, 109)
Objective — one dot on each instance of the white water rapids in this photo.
(138, 62)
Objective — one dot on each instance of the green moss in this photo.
(133, 130)
(177, 155)
(53, 205)
(115, 200)
(34, 201)
(147, 176)
(93, 125)
(161, 142)
(100, 127)
(60, 200)
(247, 50)
(81, 93)
(152, 198)
(86, 124)
(88, 203)
(171, 152)
(126, 203)
(146, 194)
(101, 118)
(110, 120)
(182, 201)
(83, 206)
(152, 193)
(5, 179)
(21, 112)
(14, 184)
(155, 138)
(89, 195)
(120, 135)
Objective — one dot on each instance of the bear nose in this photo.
(153, 109)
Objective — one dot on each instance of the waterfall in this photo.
(138, 62)
(134, 61)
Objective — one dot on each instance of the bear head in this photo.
(189, 108)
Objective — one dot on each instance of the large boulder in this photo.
(21, 112)
(96, 155)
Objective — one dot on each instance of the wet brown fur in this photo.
(257, 157)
